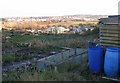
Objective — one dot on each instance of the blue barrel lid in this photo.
(113, 49)
(95, 47)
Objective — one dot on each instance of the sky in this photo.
(27, 8)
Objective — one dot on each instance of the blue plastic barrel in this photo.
(95, 59)
(119, 62)
(111, 63)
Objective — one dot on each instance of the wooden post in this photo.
(55, 68)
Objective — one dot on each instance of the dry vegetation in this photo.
(35, 24)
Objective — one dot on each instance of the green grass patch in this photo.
(66, 72)
(44, 43)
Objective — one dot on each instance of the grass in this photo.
(43, 43)
(46, 44)
(12, 57)
(46, 75)
(8, 58)
(65, 72)
(82, 22)
(45, 39)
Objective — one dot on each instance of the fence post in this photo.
(55, 68)
(62, 55)
(75, 51)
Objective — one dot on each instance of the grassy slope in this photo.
(45, 43)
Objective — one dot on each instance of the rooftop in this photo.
(110, 20)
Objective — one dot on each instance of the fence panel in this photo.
(110, 35)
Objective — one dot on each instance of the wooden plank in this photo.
(110, 31)
(110, 28)
(110, 45)
(110, 41)
(110, 25)
(112, 79)
(109, 35)
(110, 38)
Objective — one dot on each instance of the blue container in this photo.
(112, 62)
(95, 58)
(119, 61)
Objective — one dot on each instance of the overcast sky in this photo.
(22, 8)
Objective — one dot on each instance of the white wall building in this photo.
(57, 30)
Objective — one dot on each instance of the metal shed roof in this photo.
(110, 20)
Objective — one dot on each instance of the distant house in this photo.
(18, 29)
(90, 28)
(43, 19)
(29, 30)
(19, 20)
(27, 19)
(57, 30)
(109, 31)
(0, 26)
(51, 29)
(39, 31)
(77, 30)
(61, 29)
